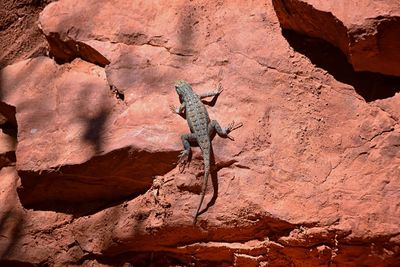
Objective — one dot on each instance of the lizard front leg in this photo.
(178, 110)
(186, 154)
(223, 132)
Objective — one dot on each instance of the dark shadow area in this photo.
(6, 263)
(118, 94)
(8, 125)
(93, 110)
(142, 259)
(371, 86)
(67, 51)
(9, 128)
(12, 219)
(102, 182)
(10, 227)
(1, 86)
(8, 121)
(154, 256)
(7, 159)
(7, 115)
(214, 182)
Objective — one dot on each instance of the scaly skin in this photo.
(201, 129)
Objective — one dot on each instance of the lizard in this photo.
(202, 128)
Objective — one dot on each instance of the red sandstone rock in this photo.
(366, 31)
(29, 236)
(311, 179)
(74, 138)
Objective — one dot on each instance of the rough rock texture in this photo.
(71, 148)
(312, 179)
(366, 31)
(20, 38)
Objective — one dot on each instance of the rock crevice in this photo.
(368, 36)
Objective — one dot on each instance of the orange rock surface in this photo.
(312, 178)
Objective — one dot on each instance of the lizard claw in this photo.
(230, 137)
(231, 127)
(219, 88)
(172, 108)
(183, 160)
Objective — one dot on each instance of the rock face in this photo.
(312, 178)
(366, 31)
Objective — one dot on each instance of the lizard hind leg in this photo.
(186, 154)
(223, 132)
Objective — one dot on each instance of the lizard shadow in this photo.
(214, 181)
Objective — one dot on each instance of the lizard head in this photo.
(182, 87)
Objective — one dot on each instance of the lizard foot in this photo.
(183, 160)
(173, 109)
(219, 89)
(231, 127)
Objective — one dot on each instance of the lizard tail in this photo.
(206, 157)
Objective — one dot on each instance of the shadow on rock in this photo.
(12, 217)
(93, 112)
(371, 86)
(99, 183)
(11, 223)
(214, 181)
(94, 129)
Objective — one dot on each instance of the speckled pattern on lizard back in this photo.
(201, 128)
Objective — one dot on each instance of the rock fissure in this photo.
(118, 94)
(379, 134)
